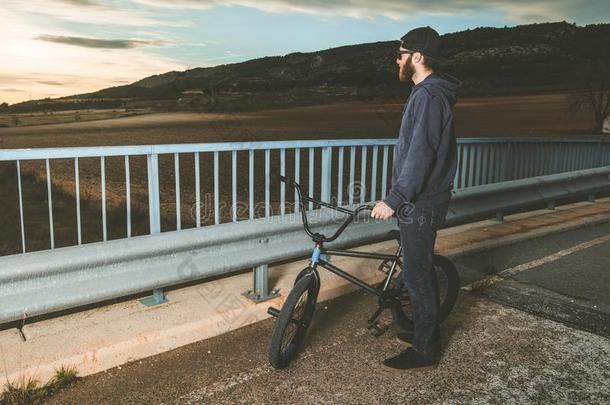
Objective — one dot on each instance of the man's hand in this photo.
(382, 211)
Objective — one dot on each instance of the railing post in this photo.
(506, 167)
(260, 291)
(152, 167)
(326, 173)
(478, 176)
(153, 193)
(559, 159)
(456, 178)
(471, 162)
(510, 162)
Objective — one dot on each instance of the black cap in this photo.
(425, 40)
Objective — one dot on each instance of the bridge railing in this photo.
(492, 160)
(249, 217)
(47, 281)
(238, 182)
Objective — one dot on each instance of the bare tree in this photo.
(592, 72)
(595, 96)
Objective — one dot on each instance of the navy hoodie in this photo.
(425, 155)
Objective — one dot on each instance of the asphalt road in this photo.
(582, 274)
(526, 338)
(563, 276)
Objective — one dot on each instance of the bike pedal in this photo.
(377, 329)
(273, 312)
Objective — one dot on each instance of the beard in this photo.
(406, 71)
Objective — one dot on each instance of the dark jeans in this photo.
(418, 224)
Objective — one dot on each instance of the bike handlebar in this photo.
(318, 237)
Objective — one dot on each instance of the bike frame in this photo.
(319, 250)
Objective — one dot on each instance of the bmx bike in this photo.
(293, 320)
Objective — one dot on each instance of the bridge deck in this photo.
(491, 351)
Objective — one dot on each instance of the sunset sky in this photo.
(53, 48)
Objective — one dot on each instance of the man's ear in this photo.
(417, 57)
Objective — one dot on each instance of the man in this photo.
(424, 166)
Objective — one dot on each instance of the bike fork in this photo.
(313, 264)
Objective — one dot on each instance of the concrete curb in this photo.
(101, 338)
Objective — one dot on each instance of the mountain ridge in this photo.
(488, 60)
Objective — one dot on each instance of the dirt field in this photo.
(544, 115)
(475, 117)
(63, 117)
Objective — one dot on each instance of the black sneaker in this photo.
(410, 359)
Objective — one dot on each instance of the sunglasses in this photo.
(399, 53)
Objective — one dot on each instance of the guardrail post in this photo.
(158, 297)
(154, 209)
(591, 197)
(500, 216)
(260, 292)
(550, 205)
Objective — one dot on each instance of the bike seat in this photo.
(395, 234)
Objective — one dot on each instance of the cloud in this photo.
(80, 2)
(516, 10)
(99, 43)
(93, 12)
(50, 82)
(40, 67)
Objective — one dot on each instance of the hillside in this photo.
(490, 61)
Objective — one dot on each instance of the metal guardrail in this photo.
(47, 281)
(500, 198)
(342, 171)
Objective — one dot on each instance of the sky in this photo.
(54, 48)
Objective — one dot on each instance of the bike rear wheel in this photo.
(448, 283)
(293, 321)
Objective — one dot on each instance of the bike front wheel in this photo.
(293, 321)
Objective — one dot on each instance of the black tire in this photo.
(448, 288)
(293, 321)
(306, 271)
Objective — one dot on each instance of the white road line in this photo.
(511, 271)
(198, 396)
